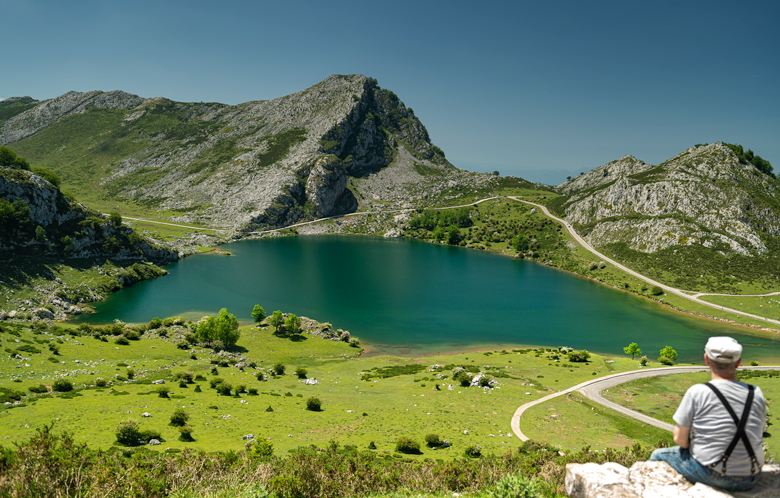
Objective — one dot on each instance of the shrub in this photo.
(643, 361)
(269, 409)
(198, 389)
(132, 335)
(215, 382)
(473, 451)
(278, 369)
(301, 372)
(262, 448)
(408, 446)
(62, 385)
(579, 356)
(252, 391)
(433, 440)
(130, 373)
(465, 380)
(515, 486)
(214, 371)
(240, 389)
(224, 389)
(179, 417)
(371, 445)
(665, 361)
(127, 433)
(313, 404)
(155, 323)
(260, 376)
(122, 341)
(149, 434)
(656, 291)
(163, 391)
(185, 434)
(41, 389)
(101, 382)
(484, 381)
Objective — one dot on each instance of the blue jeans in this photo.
(681, 460)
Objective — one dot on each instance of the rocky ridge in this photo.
(336, 146)
(704, 195)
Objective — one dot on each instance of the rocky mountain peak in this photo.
(608, 173)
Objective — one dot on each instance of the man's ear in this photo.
(706, 359)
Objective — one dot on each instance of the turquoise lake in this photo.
(411, 298)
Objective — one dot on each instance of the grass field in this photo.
(768, 306)
(355, 411)
(658, 397)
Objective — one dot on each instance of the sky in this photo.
(537, 89)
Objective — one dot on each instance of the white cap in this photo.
(723, 349)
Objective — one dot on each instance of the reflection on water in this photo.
(412, 298)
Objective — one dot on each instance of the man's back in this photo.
(712, 428)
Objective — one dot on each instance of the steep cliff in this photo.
(257, 164)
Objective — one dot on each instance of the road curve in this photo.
(666, 288)
(592, 389)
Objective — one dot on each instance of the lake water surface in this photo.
(407, 297)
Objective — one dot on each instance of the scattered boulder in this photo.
(44, 314)
(654, 479)
(602, 265)
(159, 381)
(533, 210)
(12, 314)
(146, 414)
(248, 436)
(393, 233)
(154, 442)
(311, 382)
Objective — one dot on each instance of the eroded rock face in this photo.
(704, 195)
(653, 480)
(326, 183)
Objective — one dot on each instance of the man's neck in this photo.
(715, 376)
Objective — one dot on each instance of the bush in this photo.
(224, 389)
(127, 433)
(279, 369)
(515, 486)
(179, 417)
(473, 451)
(433, 441)
(130, 373)
(252, 391)
(408, 446)
(260, 376)
(122, 341)
(215, 382)
(579, 356)
(665, 361)
(656, 291)
(185, 434)
(41, 389)
(301, 372)
(313, 404)
(101, 382)
(262, 448)
(240, 389)
(132, 335)
(149, 434)
(372, 445)
(198, 389)
(643, 361)
(484, 381)
(62, 385)
(155, 323)
(163, 392)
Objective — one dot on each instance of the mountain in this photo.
(704, 214)
(325, 150)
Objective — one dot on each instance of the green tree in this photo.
(227, 328)
(115, 219)
(9, 159)
(258, 313)
(520, 243)
(40, 234)
(276, 320)
(668, 352)
(496, 173)
(439, 234)
(453, 235)
(633, 350)
(292, 324)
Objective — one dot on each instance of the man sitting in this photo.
(720, 425)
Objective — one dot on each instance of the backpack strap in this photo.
(741, 434)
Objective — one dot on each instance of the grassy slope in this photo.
(402, 405)
(659, 397)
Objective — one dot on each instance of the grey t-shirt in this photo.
(712, 428)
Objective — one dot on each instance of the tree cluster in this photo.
(747, 156)
(222, 328)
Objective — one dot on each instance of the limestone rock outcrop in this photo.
(654, 480)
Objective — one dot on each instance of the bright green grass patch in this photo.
(768, 306)
(572, 422)
(404, 404)
(659, 397)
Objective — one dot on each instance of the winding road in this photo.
(592, 389)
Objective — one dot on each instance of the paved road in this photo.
(592, 389)
(666, 288)
(699, 294)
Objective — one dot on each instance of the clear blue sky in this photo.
(537, 89)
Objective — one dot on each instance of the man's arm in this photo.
(681, 434)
